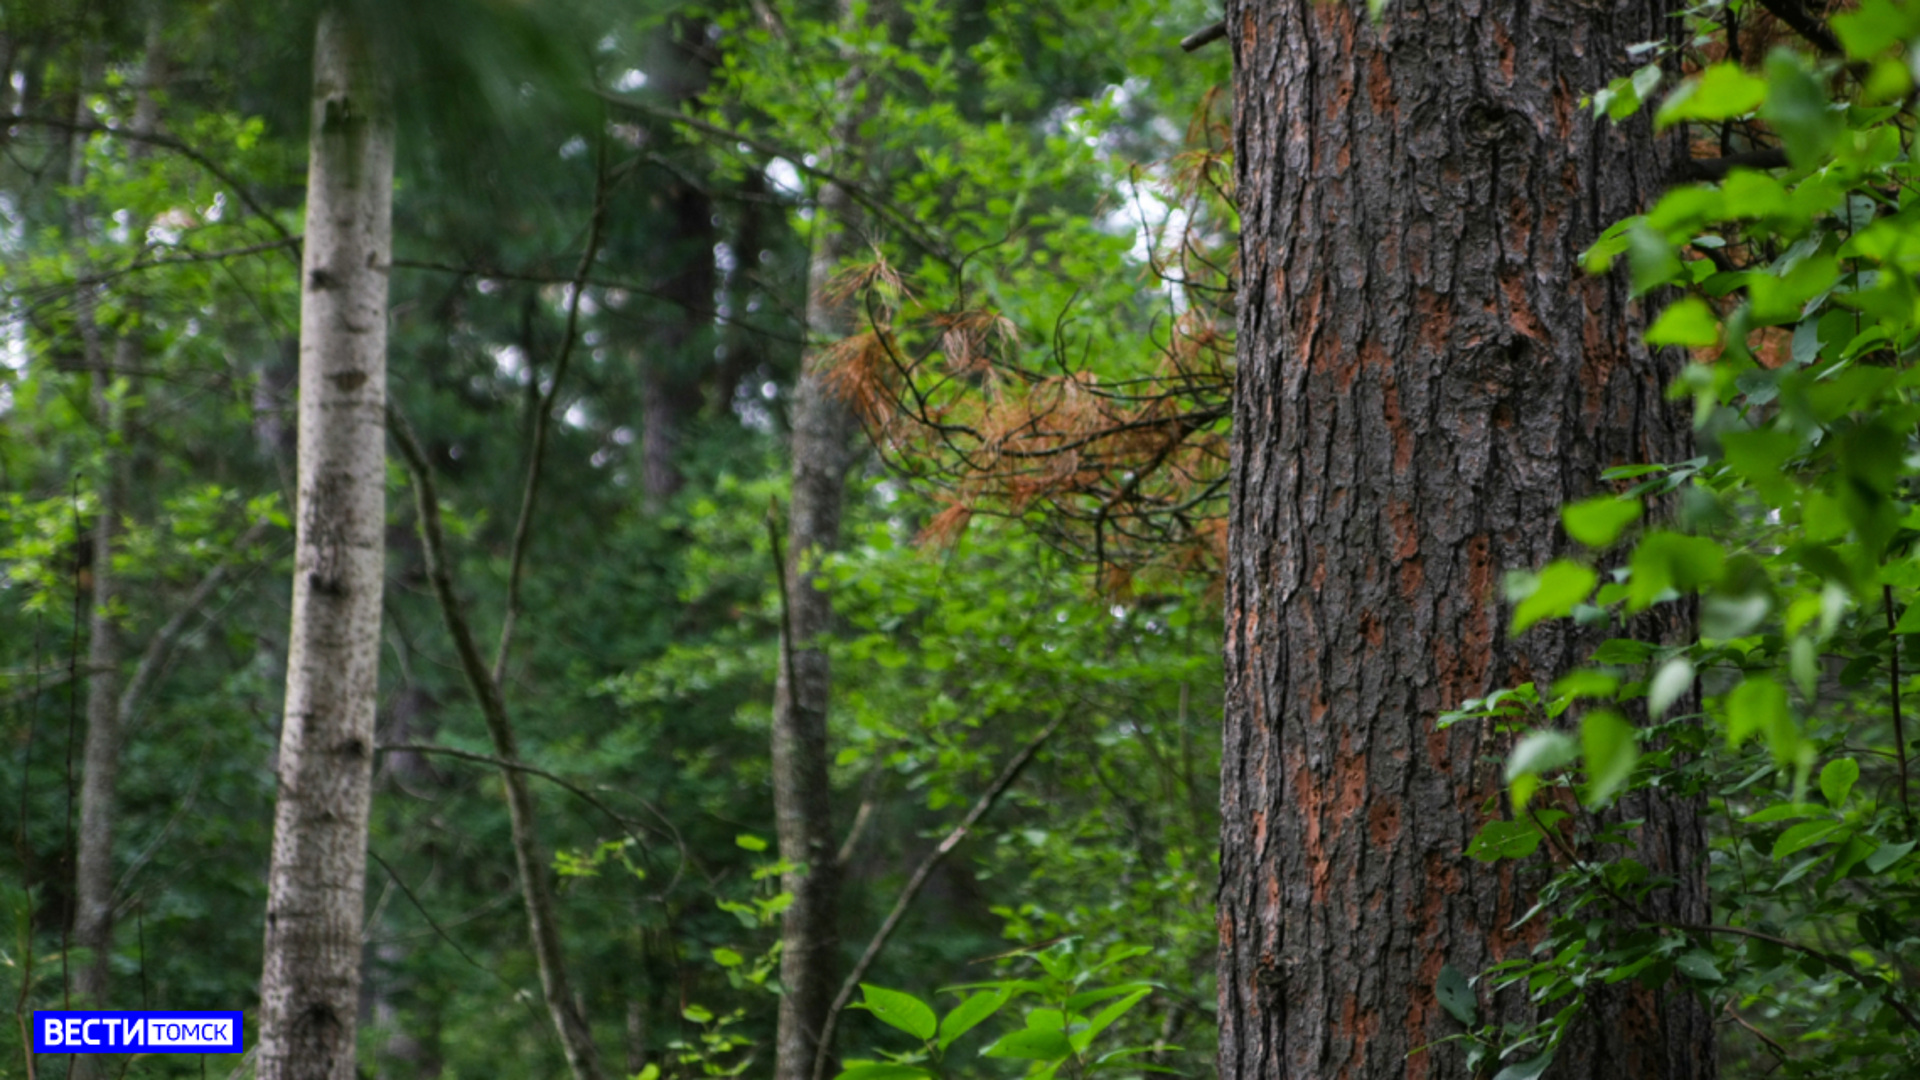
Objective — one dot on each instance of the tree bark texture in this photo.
(824, 427)
(316, 881)
(1425, 376)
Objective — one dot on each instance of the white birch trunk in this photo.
(309, 987)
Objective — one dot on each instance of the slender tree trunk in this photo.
(670, 376)
(93, 874)
(529, 858)
(1425, 375)
(824, 426)
(309, 987)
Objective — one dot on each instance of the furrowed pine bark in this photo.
(309, 986)
(1425, 375)
(824, 426)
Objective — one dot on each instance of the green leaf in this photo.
(697, 1014)
(1598, 522)
(1531, 1069)
(1887, 855)
(1560, 586)
(1800, 837)
(903, 1011)
(1106, 1017)
(1837, 780)
(1758, 706)
(1456, 995)
(750, 842)
(1611, 750)
(882, 1070)
(1504, 840)
(1690, 322)
(1698, 965)
(1540, 752)
(1798, 109)
(1030, 1044)
(1669, 684)
(969, 1014)
(728, 958)
(1721, 92)
(1667, 560)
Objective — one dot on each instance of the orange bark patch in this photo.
(1443, 882)
(1371, 628)
(1397, 427)
(1413, 578)
(1435, 313)
(1519, 312)
(1383, 822)
(1380, 86)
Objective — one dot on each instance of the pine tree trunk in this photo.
(823, 438)
(1425, 375)
(310, 984)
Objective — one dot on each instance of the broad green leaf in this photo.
(1586, 683)
(1106, 1017)
(1798, 109)
(1688, 321)
(1669, 684)
(1531, 1069)
(1598, 522)
(1030, 1044)
(1837, 780)
(728, 958)
(1668, 560)
(1887, 855)
(1540, 752)
(903, 1011)
(969, 1014)
(1786, 812)
(1504, 840)
(1698, 964)
(1456, 996)
(1560, 586)
(882, 1070)
(1800, 837)
(1721, 92)
(750, 842)
(697, 1014)
(1758, 706)
(1611, 750)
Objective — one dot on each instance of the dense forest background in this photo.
(895, 539)
(1038, 137)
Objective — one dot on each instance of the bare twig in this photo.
(1899, 724)
(1718, 168)
(1008, 774)
(164, 640)
(576, 1037)
(1804, 23)
(927, 241)
(166, 142)
(543, 416)
(1204, 36)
